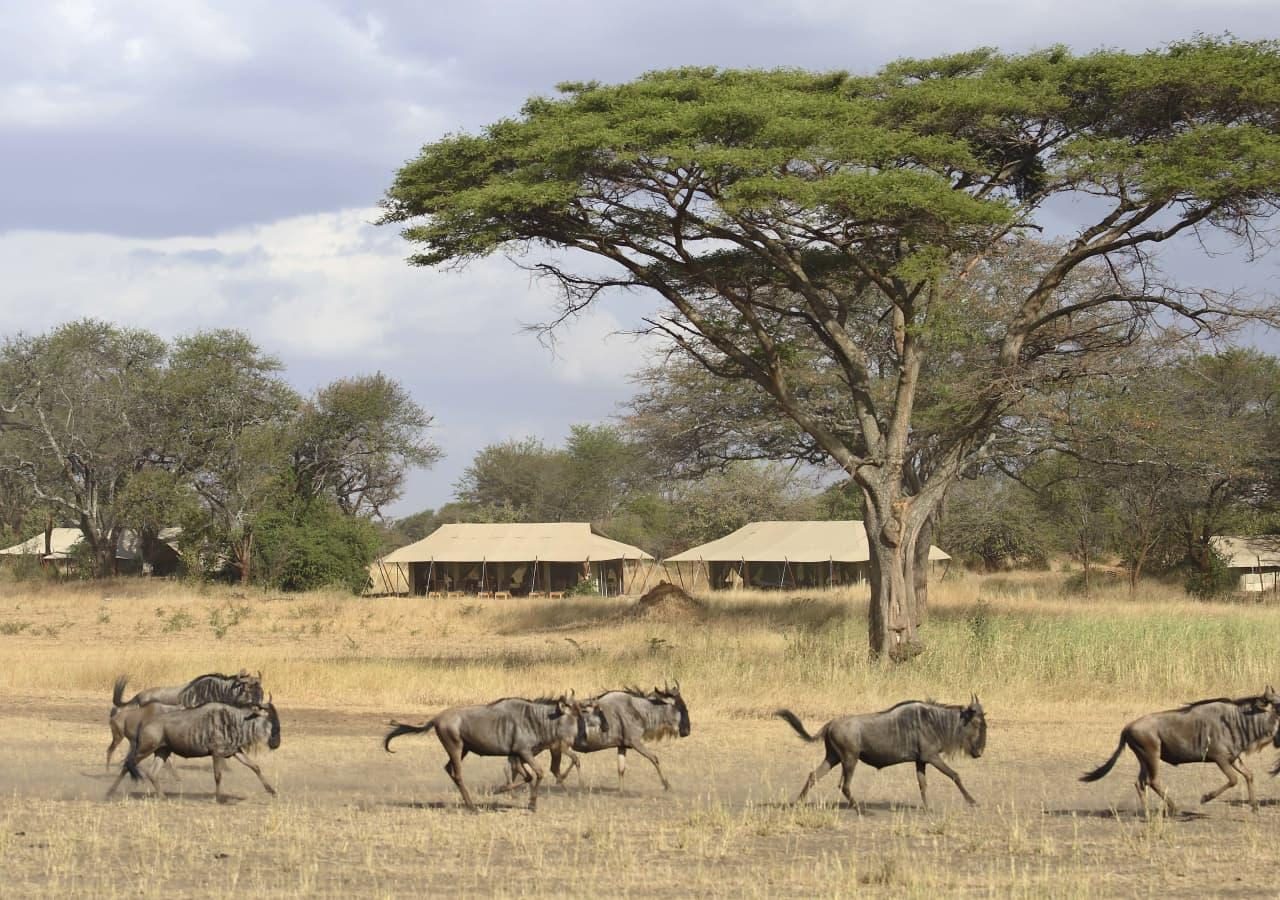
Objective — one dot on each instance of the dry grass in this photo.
(1058, 674)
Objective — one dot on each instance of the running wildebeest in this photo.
(241, 689)
(125, 720)
(629, 717)
(512, 727)
(911, 731)
(1218, 731)
(237, 690)
(217, 730)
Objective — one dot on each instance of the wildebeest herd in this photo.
(225, 716)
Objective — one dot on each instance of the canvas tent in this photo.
(780, 554)
(1254, 560)
(517, 559)
(65, 546)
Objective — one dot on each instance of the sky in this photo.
(215, 163)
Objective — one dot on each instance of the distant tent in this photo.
(65, 544)
(1254, 560)
(516, 559)
(782, 554)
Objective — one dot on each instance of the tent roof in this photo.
(800, 542)
(63, 543)
(544, 541)
(1248, 552)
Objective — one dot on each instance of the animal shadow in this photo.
(1123, 815)
(447, 805)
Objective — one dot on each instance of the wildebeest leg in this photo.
(920, 780)
(818, 774)
(1238, 764)
(575, 762)
(945, 769)
(454, 768)
(1141, 785)
(150, 775)
(622, 765)
(527, 758)
(1232, 781)
(846, 780)
(218, 764)
(111, 791)
(116, 738)
(1153, 781)
(253, 767)
(516, 770)
(649, 755)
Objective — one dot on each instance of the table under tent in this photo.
(806, 554)
(514, 560)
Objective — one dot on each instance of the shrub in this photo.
(312, 545)
(1215, 579)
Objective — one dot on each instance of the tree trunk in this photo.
(892, 623)
(920, 572)
(242, 554)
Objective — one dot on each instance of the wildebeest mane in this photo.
(1238, 701)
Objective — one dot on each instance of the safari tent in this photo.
(1255, 561)
(65, 547)
(780, 555)
(515, 560)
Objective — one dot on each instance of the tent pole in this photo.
(431, 570)
(484, 561)
(647, 574)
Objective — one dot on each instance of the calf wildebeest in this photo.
(512, 727)
(1218, 731)
(627, 718)
(216, 730)
(911, 731)
(238, 690)
(241, 689)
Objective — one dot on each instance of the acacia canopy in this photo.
(857, 210)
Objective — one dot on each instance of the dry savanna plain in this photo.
(1058, 675)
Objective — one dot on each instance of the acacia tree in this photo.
(855, 209)
(356, 440)
(230, 418)
(75, 407)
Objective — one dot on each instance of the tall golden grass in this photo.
(1017, 638)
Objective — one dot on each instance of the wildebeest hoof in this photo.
(270, 790)
(1206, 798)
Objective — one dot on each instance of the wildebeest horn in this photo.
(677, 687)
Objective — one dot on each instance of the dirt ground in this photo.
(351, 819)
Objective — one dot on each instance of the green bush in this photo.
(312, 545)
(1214, 580)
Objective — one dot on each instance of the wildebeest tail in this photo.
(401, 728)
(794, 721)
(117, 692)
(1106, 766)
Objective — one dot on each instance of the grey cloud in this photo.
(261, 112)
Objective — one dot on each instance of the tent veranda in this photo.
(780, 554)
(514, 558)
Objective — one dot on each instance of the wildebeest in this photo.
(1219, 731)
(512, 727)
(216, 730)
(241, 689)
(238, 690)
(911, 731)
(628, 717)
(125, 720)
